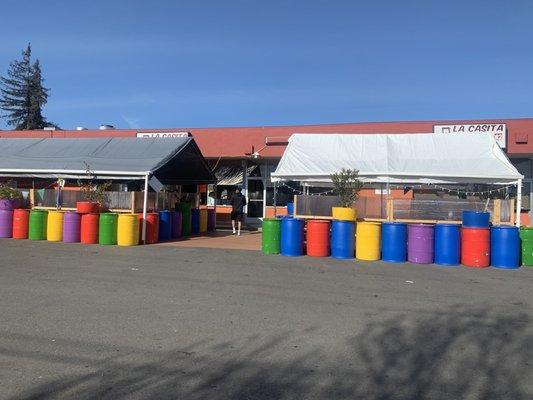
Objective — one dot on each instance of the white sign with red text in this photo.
(499, 131)
(162, 134)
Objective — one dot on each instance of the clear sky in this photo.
(205, 63)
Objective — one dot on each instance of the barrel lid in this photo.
(393, 223)
(447, 225)
(504, 227)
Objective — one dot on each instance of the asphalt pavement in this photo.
(156, 322)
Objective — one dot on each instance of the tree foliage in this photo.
(9, 193)
(346, 185)
(22, 94)
(92, 189)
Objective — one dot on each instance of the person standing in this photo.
(238, 201)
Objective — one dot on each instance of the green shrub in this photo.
(9, 193)
(346, 185)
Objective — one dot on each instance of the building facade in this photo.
(246, 156)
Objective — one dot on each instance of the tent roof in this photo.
(172, 160)
(413, 158)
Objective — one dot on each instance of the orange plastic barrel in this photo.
(318, 238)
(89, 228)
(20, 223)
(475, 247)
(152, 228)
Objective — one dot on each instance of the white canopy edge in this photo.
(72, 174)
(397, 158)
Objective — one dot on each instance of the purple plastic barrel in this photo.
(176, 224)
(420, 239)
(71, 227)
(6, 223)
(211, 220)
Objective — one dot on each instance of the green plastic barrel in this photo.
(107, 231)
(271, 237)
(526, 237)
(38, 223)
(186, 216)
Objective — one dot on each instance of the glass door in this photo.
(255, 198)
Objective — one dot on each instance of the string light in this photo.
(299, 192)
(501, 189)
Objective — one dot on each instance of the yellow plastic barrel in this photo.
(344, 214)
(128, 230)
(367, 244)
(203, 220)
(54, 230)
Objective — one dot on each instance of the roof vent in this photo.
(81, 128)
(49, 128)
(105, 127)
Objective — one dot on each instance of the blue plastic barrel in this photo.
(342, 239)
(476, 219)
(447, 244)
(505, 247)
(393, 242)
(292, 237)
(290, 208)
(195, 221)
(165, 225)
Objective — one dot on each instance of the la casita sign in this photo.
(499, 131)
(162, 134)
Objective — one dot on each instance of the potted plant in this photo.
(94, 193)
(10, 198)
(346, 185)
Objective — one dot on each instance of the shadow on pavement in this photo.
(453, 354)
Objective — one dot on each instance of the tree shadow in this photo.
(455, 353)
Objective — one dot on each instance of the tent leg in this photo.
(518, 201)
(275, 199)
(145, 201)
(215, 189)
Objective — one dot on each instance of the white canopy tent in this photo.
(398, 158)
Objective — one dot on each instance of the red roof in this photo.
(237, 142)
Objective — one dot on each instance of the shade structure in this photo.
(171, 160)
(397, 158)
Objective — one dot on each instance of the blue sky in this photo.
(245, 63)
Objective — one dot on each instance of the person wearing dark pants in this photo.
(238, 201)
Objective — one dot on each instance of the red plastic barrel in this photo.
(318, 238)
(20, 224)
(89, 228)
(152, 228)
(475, 247)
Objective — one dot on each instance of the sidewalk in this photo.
(220, 240)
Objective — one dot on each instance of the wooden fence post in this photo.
(390, 209)
(133, 205)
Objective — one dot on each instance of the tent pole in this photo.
(145, 201)
(518, 201)
(275, 199)
(215, 189)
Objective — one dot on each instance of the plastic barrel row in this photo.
(443, 244)
(87, 228)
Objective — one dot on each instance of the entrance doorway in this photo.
(255, 199)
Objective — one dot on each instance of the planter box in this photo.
(87, 207)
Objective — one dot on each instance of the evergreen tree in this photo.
(22, 94)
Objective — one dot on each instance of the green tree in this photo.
(346, 185)
(22, 94)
